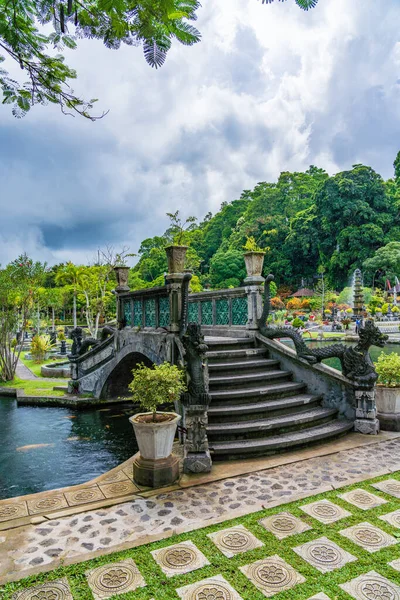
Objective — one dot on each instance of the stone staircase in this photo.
(256, 408)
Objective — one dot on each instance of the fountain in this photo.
(358, 296)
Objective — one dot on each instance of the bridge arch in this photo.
(117, 374)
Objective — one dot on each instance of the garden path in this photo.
(77, 538)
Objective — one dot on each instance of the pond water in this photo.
(335, 362)
(47, 448)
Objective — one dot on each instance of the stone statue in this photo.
(195, 401)
(195, 352)
(356, 362)
(80, 346)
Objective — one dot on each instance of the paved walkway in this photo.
(43, 547)
(23, 372)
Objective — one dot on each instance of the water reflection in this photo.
(47, 448)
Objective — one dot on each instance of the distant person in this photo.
(358, 323)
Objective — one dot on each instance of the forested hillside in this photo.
(305, 221)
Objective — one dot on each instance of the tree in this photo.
(386, 259)
(71, 275)
(227, 268)
(154, 24)
(151, 23)
(94, 289)
(19, 284)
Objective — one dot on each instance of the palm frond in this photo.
(154, 54)
(304, 4)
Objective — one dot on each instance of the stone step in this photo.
(265, 408)
(241, 353)
(274, 390)
(262, 446)
(243, 365)
(294, 419)
(223, 343)
(245, 379)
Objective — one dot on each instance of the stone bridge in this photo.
(261, 395)
(149, 325)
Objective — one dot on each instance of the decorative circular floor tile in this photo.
(390, 486)
(212, 591)
(54, 590)
(325, 511)
(368, 536)
(324, 555)
(112, 579)
(272, 575)
(372, 586)
(283, 525)
(45, 504)
(214, 588)
(84, 496)
(235, 540)
(12, 511)
(113, 477)
(392, 518)
(362, 499)
(180, 558)
(119, 488)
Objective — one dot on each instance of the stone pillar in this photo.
(254, 291)
(174, 280)
(197, 458)
(366, 421)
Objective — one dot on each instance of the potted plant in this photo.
(176, 252)
(253, 257)
(388, 391)
(155, 430)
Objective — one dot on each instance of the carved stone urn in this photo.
(155, 465)
(176, 258)
(122, 274)
(254, 265)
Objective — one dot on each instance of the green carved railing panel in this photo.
(193, 312)
(222, 312)
(239, 311)
(206, 313)
(150, 312)
(128, 312)
(137, 313)
(163, 312)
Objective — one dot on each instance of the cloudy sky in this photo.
(270, 88)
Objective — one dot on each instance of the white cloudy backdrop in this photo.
(269, 88)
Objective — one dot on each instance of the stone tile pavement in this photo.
(76, 538)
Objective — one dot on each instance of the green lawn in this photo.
(162, 588)
(38, 387)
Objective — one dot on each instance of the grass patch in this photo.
(37, 387)
(162, 588)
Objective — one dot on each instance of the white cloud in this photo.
(270, 88)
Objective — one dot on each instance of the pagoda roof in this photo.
(303, 293)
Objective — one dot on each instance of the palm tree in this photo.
(71, 275)
(304, 4)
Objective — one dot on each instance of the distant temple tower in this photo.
(358, 296)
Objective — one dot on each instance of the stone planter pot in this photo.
(122, 274)
(254, 263)
(155, 440)
(176, 258)
(388, 407)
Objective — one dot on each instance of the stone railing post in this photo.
(174, 280)
(366, 421)
(254, 291)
